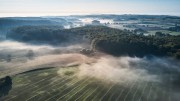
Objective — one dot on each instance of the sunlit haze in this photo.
(76, 7)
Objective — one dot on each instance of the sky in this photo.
(76, 7)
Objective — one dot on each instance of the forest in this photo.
(109, 40)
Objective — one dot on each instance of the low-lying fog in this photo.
(16, 57)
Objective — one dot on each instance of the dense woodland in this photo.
(112, 41)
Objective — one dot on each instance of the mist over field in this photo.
(104, 67)
(89, 50)
(15, 56)
(90, 57)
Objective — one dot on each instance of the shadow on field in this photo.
(5, 86)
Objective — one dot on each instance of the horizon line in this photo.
(75, 14)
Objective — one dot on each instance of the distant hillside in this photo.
(6, 24)
(41, 34)
(20, 21)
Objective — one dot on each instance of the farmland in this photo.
(163, 31)
(65, 84)
(90, 58)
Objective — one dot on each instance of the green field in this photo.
(65, 84)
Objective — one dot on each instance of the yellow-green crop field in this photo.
(63, 84)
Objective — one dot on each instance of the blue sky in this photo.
(60, 7)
